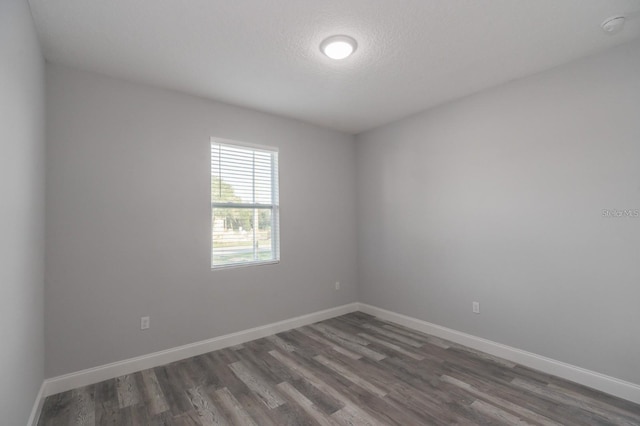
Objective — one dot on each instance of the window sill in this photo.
(244, 265)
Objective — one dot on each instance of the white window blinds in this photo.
(244, 205)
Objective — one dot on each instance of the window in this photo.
(244, 204)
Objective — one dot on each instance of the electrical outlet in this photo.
(144, 323)
(337, 285)
(476, 307)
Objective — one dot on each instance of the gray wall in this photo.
(21, 213)
(128, 221)
(498, 198)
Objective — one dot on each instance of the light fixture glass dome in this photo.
(338, 47)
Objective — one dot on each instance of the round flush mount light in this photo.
(338, 46)
(613, 25)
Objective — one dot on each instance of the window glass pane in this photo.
(241, 175)
(236, 239)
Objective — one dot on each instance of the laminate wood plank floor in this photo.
(352, 370)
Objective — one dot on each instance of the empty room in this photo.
(337, 212)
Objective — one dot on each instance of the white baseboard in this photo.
(37, 407)
(109, 371)
(611, 385)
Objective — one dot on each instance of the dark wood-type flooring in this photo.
(350, 370)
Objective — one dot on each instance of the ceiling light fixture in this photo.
(613, 25)
(338, 46)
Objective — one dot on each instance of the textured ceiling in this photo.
(264, 54)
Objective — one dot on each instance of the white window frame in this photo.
(274, 206)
